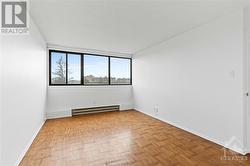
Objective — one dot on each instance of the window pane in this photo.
(95, 70)
(119, 71)
(74, 69)
(58, 68)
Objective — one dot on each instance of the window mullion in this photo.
(130, 71)
(82, 69)
(109, 70)
(66, 68)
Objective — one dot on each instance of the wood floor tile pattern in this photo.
(121, 139)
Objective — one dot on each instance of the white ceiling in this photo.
(125, 26)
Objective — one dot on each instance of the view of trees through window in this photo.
(73, 68)
(58, 68)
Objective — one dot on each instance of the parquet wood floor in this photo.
(121, 139)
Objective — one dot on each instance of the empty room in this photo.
(125, 83)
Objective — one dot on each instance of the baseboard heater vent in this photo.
(82, 111)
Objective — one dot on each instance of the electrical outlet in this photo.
(232, 74)
(156, 110)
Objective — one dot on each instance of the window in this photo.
(68, 68)
(96, 70)
(119, 71)
(58, 68)
(74, 69)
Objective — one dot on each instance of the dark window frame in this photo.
(82, 69)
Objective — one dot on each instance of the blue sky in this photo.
(120, 67)
(74, 63)
(93, 65)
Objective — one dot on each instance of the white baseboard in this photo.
(238, 150)
(58, 114)
(124, 107)
(28, 145)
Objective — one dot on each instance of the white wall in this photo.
(62, 99)
(24, 92)
(196, 80)
(247, 46)
(1, 120)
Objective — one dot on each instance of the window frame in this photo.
(82, 69)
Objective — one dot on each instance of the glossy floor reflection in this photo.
(120, 138)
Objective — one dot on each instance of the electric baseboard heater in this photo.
(91, 110)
